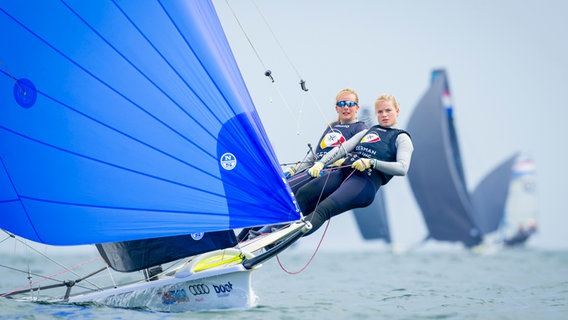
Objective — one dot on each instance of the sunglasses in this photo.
(344, 103)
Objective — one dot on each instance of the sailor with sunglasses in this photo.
(382, 152)
(336, 134)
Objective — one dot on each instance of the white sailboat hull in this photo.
(216, 280)
(219, 288)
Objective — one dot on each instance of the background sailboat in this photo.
(506, 202)
(436, 175)
(128, 122)
(437, 180)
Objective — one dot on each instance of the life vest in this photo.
(379, 143)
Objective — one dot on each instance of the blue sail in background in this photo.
(128, 120)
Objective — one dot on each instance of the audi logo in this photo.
(198, 289)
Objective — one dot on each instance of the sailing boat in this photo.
(128, 125)
(506, 202)
(436, 176)
(501, 210)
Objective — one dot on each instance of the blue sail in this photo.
(128, 120)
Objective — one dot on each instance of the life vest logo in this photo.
(228, 161)
(371, 137)
(332, 139)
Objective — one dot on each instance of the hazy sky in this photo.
(507, 63)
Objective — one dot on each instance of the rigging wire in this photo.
(268, 73)
(302, 81)
(50, 277)
(53, 276)
(66, 269)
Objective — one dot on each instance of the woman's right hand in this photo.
(289, 172)
(316, 170)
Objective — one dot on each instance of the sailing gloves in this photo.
(288, 173)
(363, 164)
(316, 170)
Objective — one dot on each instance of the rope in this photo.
(323, 234)
(248, 39)
(311, 258)
(302, 82)
(268, 72)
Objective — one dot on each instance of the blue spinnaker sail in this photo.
(123, 120)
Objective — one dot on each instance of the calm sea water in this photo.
(455, 284)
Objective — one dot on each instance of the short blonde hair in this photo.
(347, 90)
(387, 97)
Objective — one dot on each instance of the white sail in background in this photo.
(521, 210)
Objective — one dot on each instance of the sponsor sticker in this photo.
(174, 296)
(228, 161)
(223, 290)
(197, 235)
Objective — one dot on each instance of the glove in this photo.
(288, 173)
(362, 164)
(337, 163)
(316, 170)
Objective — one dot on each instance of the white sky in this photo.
(507, 63)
